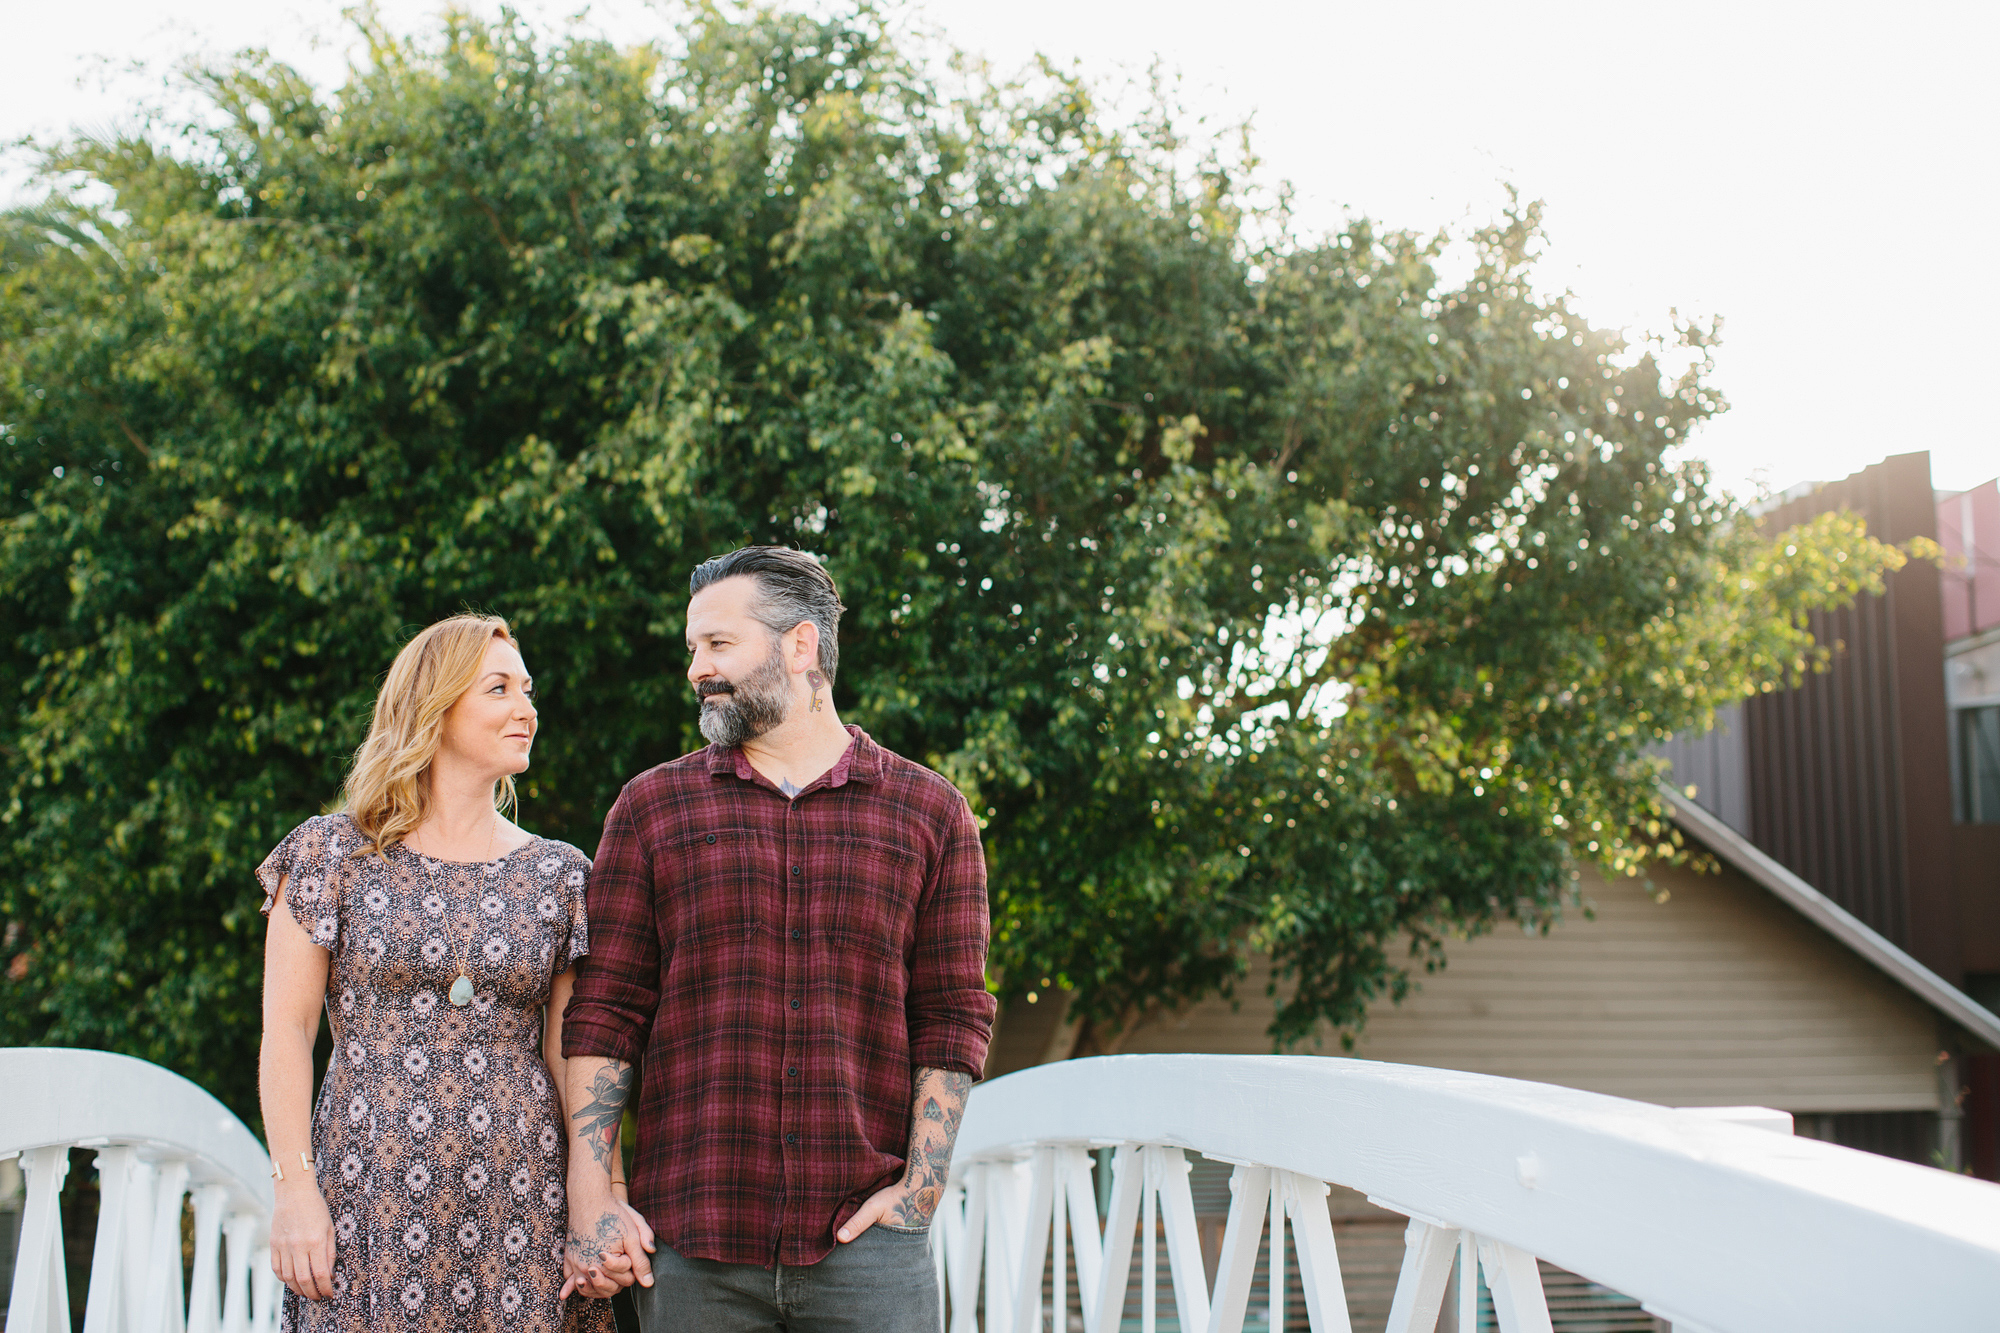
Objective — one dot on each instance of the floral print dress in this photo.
(438, 1133)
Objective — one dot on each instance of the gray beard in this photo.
(759, 702)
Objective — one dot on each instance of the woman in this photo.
(427, 1190)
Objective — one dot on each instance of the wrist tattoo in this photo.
(602, 1115)
(589, 1247)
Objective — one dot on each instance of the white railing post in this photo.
(40, 1299)
(263, 1291)
(1236, 1266)
(1006, 1213)
(141, 1203)
(1087, 1243)
(204, 1313)
(967, 1243)
(1319, 1259)
(1468, 1283)
(163, 1307)
(240, 1238)
(1427, 1253)
(1059, 1244)
(1121, 1220)
(951, 1200)
(1516, 1283)
(1149, 1263)
(1035, 1246)
(104, 1305)
(1183, 1237)
(1279, 1281)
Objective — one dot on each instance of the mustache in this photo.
(713, 687)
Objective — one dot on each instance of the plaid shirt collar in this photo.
(861, 761)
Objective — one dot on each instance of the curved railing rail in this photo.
(1716, 1226)
(158, 1139)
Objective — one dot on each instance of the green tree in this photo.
(1262, 595)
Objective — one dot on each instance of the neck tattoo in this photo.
(786, 786)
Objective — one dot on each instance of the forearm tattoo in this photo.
(939, 1105)
(598, 1121)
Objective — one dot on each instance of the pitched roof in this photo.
(1836, 920)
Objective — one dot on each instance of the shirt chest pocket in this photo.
(868, 894)
(723, 883)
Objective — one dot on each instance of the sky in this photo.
(1822, 178)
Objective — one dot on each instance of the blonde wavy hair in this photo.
(386, 794)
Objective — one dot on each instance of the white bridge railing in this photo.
(1717, 1226)
(1707, 1217)
(158, 1139)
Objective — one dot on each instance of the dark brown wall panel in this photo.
(1975, 857)
(1850, 775)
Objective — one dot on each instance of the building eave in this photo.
(1835, 920)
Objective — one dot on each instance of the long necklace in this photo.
(461, 990)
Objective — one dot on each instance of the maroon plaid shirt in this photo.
(778, 968)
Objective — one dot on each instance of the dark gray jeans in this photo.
(883, 1281)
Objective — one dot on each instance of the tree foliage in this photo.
(1262, 593)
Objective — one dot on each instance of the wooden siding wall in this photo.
(1720, 996)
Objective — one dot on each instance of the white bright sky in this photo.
(1821, 176)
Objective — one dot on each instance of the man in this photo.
(788, 937)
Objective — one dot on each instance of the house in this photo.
(1834, 964)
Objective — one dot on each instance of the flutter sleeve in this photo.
(576, 942)
(312, 863)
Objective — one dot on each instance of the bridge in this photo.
(1070, 1206)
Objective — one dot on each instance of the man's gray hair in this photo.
(791, 589)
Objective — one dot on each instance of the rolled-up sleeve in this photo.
(949, 1010)
(618, 983)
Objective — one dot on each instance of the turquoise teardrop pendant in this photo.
(461, 991)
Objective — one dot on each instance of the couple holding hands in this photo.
(776, 963)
